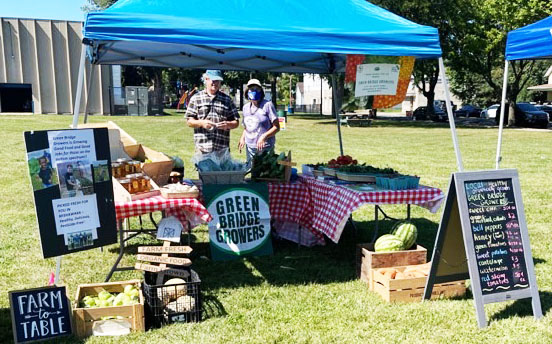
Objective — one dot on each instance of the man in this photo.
(212, 114)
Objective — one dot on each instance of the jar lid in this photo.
(121, 160)
(125, 180)
(146, 177)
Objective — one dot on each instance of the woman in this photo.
(260, 122)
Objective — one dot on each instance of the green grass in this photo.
(300, 295)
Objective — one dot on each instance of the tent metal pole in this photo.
(88, 90)
(502, 109)
(450, 115)
(336, 111)
(76, 109)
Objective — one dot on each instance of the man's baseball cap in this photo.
(254, 82)
(214, 74)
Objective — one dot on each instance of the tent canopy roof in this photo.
(533, 41)
(280, 36)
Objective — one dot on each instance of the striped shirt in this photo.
(217, 109)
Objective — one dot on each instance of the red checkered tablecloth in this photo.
(185, 209)
(333, 204)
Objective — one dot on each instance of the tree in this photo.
(478, 58)
(447, 17)
(283, 87)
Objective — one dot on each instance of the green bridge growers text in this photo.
(239, 220)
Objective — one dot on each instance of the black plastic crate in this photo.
(167, 304)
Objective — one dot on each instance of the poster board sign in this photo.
(376, 79)
(40, 314)
(483, 235)
(241, 220)
(169, 229)
(70, 172)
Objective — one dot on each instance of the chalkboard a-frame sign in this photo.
(483, 236)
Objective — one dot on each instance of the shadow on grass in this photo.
(523, 308)
(212, 307)
(538, 260)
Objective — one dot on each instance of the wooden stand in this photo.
(288, 164)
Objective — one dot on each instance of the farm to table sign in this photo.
(241, 220)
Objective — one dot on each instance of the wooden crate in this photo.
(412, 289)
(84, 318)
(368, 259)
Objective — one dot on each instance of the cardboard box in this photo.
(412, 289)
(84, 318)
(368, 259)
(122, 145)
(122, 195)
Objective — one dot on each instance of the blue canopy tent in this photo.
(530, 42)
(273, 36)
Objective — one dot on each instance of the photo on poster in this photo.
(43, 175)
(101, 171)
(78, 240)
(75, 178)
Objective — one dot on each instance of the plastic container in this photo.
(167, 304)
(222, 177)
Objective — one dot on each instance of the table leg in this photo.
(121, 250)
(376, 220)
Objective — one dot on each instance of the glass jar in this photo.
(139, 177)
(135, 183)
(125, 166)
(137, 166)
(116, 170)
(125, 182)
(146, 183)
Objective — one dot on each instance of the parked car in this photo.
(490, 112)
(421, 113)
(468, 111)
(547, 109)
(526, 115)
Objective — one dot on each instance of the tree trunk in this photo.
(157, 90)
(511, 114)
(340, 91)
(430, 96)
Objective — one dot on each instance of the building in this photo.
(415, 97)
(312, 91)
(546, 87)
(39, 64)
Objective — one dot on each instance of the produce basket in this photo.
(287, 163)
(356, 177)
(368, 259)
(399, 182)
(222, 177)
(84, 318)
(330, 171)
(411, 289)
(167, 304)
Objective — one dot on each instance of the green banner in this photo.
(241, 220)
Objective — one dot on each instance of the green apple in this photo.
(104, 295)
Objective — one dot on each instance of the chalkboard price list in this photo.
(496, 234)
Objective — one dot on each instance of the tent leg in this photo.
(450, 115)
(502, 108)
(88, 89)
(76, 109)
(335, 111)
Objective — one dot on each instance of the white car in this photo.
(490, 112)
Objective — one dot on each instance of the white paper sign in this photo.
(169, 229)
(72, 145)
(375, 79)
(76, 214)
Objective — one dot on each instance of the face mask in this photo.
(254, 95)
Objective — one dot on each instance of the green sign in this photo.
(241, 220)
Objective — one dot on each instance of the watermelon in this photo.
(408, 233)
(388, 243)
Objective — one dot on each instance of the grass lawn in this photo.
(306, 295)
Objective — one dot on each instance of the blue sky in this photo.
(43, 9)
